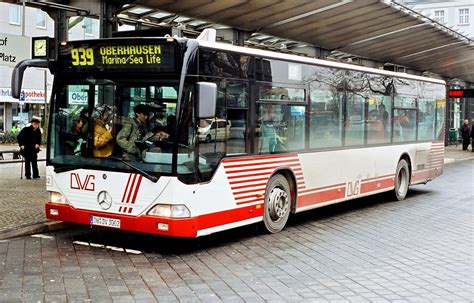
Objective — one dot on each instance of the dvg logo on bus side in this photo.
(87, 184)
(104, 199)
(353, 189)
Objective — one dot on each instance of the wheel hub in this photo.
(278, 204)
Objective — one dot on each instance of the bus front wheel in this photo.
(277, 204)
(402, 180)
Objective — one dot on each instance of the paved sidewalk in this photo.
(22, 201)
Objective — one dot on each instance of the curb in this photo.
(451, 160)
(35, 229)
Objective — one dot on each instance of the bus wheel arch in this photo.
(402, 178)
(279, 200)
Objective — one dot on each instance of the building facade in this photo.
(459, 16)
(17, 25)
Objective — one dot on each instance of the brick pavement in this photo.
(366, 250)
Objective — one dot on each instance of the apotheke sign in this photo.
(13, 49)
(26, 95)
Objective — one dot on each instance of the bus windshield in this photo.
(114, 124)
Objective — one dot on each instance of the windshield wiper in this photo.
(142, 172)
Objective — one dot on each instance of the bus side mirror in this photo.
(17, 74)
(206, 100)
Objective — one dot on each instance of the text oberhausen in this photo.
(133, 52)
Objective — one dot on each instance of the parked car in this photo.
(213, 129)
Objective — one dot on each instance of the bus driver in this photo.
(132, 132)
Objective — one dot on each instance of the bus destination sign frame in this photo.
(136, 55)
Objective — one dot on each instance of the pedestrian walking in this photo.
(29, 140)
(465, 134)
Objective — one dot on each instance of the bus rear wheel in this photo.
(277, 204)
(402, 180)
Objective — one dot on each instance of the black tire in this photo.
(277, 204)
(402, 180)
(208, 139)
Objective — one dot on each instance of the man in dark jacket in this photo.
(465, 134)
(29, 140)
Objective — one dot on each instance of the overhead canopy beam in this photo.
(381, 30)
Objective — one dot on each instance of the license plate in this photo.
(108, 222)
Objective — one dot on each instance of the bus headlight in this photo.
(56, 197)
(170, 211)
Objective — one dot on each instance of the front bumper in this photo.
(186, 227)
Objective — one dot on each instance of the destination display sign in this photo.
(141, 55)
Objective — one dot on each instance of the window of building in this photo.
(40, 19)
(463, 16)
(439, 16)
(88, 26)
(15, 14)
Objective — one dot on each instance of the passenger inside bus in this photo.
(74, 139)
(103, 139)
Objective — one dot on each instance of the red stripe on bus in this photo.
(250, 201)
(376, 185)
(320, 197)
(251, 189)
(287, 162)
(136, 189)
(324, 187)
(249, 175)
(132, 186)
(379, 177)
(258, 158)
(126, 187)
(186, 227)
(254, 184)
(245, 181)
(251, 170)
(256, 193)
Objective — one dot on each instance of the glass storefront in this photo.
(12, 115)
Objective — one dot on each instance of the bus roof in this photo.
(302, 59)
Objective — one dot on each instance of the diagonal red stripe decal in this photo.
(131, 188)
(136, 189)
(126, 188)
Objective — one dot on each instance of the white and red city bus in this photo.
(287, 134)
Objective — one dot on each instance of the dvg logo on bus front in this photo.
(88, 183)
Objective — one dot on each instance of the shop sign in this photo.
(26, 95)
(13, 49)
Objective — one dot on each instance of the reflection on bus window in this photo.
(280, 128)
